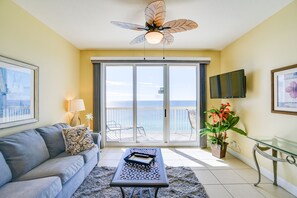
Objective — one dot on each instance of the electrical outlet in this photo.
(234, 146)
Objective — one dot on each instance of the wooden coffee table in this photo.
(134, 175)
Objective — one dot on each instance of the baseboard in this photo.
(281, 181)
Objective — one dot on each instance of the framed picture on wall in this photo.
(284, 90)
(18, 93)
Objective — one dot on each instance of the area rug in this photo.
(182, 184)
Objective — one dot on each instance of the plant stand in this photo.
(219, 151)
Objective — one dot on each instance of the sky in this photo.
(19, 82)
(119, 83)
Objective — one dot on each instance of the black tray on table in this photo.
(140, 158)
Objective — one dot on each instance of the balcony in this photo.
(150, 123)
(14, 113)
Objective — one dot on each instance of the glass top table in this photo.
(276, 144)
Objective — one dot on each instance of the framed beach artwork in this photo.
(18, 93)
(284, 90)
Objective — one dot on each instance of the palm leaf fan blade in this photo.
(138, 39)
(129, 26)
(167, 38)
(180, 25)
(155, 12)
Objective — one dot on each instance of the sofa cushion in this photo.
(23, 151)
(87, 154)
(5, 175)
(64, 168)
(38, 188)
(53, 138)
(77, 139)
(62, 125)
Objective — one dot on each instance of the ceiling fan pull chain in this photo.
(163, 52)
(144, 50)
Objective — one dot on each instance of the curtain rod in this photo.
(205, 60)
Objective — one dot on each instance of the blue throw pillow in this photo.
(23, 151)
(53, 138)
(5, 175)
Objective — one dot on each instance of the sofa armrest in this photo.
(97, 138)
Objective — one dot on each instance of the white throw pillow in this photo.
(77, 139)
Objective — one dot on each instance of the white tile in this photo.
(236, 164)
(229, 156)
(251, 176)
(196, 154)
(109, 156)
(114, 150)
(191, 150)
(110, 163)
(193, 163)
(170, 156)
(173, 163)
(216, 164)
(228, 177)
(272, 191)
(243, 191)
(217, 191)
(168, 150)
(206, 177)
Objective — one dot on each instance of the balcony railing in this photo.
(151, 118)
(14, 113)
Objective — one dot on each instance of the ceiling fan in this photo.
(156, 30)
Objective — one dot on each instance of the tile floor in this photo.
(222, 178)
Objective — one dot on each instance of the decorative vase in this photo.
(89, 124)
(219, 151)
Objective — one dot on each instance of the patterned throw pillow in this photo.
(77, 139)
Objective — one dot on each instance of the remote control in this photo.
(141, 155)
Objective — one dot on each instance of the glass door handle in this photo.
(165, 113)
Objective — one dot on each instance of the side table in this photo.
(276, 144)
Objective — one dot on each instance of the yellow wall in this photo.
(271, 45)
(86, 67)
(24, 38)
(63, 69)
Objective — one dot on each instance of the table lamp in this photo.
(76, 105)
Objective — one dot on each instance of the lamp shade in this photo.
(154, 37)
(76, 105)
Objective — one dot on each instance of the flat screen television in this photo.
(228, 85)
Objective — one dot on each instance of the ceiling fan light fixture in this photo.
(154, 37)
(156, 30)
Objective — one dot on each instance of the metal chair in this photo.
(116, 127)
(113, 126)
(192, 120)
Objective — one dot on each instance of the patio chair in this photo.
(192, 120)
(116, 127)
(113, 126)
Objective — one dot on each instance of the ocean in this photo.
(150, 115)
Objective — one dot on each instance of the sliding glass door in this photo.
(183, 103)
(119, 104)
(151, 104)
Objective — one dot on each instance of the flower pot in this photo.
(219, 151)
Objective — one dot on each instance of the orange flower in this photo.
(214, 118)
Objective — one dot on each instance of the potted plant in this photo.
(222, 120)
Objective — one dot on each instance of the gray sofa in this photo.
(34, 164)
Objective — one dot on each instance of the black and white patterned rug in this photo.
(182, 184)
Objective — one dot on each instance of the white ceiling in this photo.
(86, 23)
